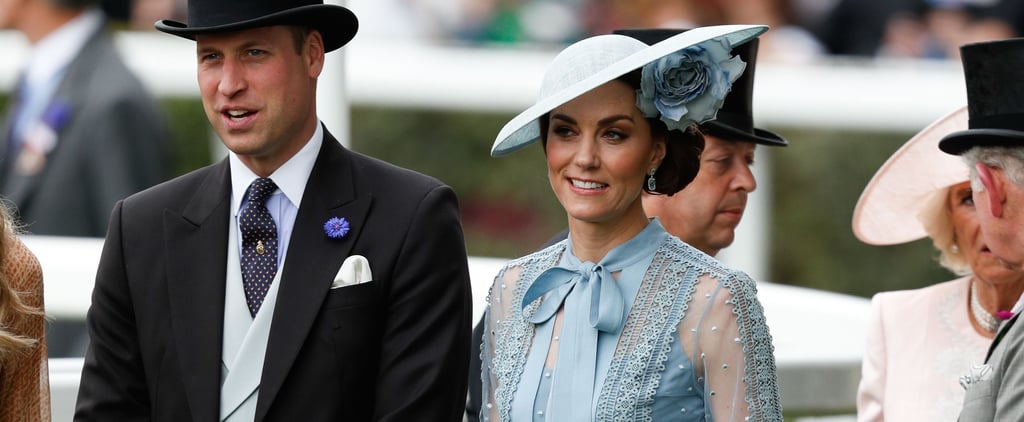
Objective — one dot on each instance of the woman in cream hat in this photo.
(622, 321)
(920, 341)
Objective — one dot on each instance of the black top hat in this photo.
(336, 24)
(995, 96)
(735, 120)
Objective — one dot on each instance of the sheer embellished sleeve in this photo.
(727, 341)
(500, 302)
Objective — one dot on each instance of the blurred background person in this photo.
(81, 131)
(24, 379)
(921, 341)
(787, 41)
(937, 28)
(932, 29)
(142, 13)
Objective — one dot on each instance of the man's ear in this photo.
(314, 53)
(994, 187)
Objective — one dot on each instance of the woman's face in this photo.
(970, 241)
(599, 151)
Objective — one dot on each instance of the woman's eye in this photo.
(562, 131)
(967, 199)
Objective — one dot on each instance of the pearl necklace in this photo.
(984, 318)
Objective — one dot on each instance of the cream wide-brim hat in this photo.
(892, 203)
(594, 61)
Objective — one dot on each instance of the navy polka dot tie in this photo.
(259, 244)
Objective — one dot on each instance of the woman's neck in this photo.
(592, 241)
(995, 297)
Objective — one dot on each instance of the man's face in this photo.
(1002, 233)
(259, 93)
(705, 214)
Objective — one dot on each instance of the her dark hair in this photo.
(682, 149)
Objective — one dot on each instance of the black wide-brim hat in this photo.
(995, 96)
(735, 120)
(336, 24)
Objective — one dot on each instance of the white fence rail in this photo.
(835, 93)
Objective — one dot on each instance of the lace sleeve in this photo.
(725, 336)
(500, 303)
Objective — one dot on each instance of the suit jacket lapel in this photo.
(1000, 334)
(196, 261)
(313, 261)
(18, 187)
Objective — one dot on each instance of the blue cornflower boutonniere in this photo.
(336, 227)
(40, 137)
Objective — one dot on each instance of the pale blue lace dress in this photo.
(655, 331)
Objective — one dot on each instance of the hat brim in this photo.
(524, 129)
(336, 24)
(888, 211)
(959, 142)
(760, 136)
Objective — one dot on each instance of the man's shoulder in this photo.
(383, 174)
(172, 191)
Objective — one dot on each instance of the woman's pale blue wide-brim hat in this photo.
(594, 61)
(889, 210)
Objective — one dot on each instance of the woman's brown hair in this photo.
(13, 311)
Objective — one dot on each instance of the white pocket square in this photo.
(977, 374)
(355, 270)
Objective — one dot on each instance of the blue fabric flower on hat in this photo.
(336, 227)
(689, 86)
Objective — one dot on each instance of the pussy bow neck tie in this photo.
(593, 303)
(594, 281)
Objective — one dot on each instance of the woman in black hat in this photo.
(622, 321)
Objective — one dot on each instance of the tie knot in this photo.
(260, 190)
(588, 268)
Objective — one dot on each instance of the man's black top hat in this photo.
(735, 120)
(336, 24)
(995, 96)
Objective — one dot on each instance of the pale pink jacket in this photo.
(919, 343)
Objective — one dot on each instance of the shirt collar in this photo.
(290, 178)
(55, 51)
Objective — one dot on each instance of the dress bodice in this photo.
(691, 339)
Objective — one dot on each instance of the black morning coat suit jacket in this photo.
(394, 349)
